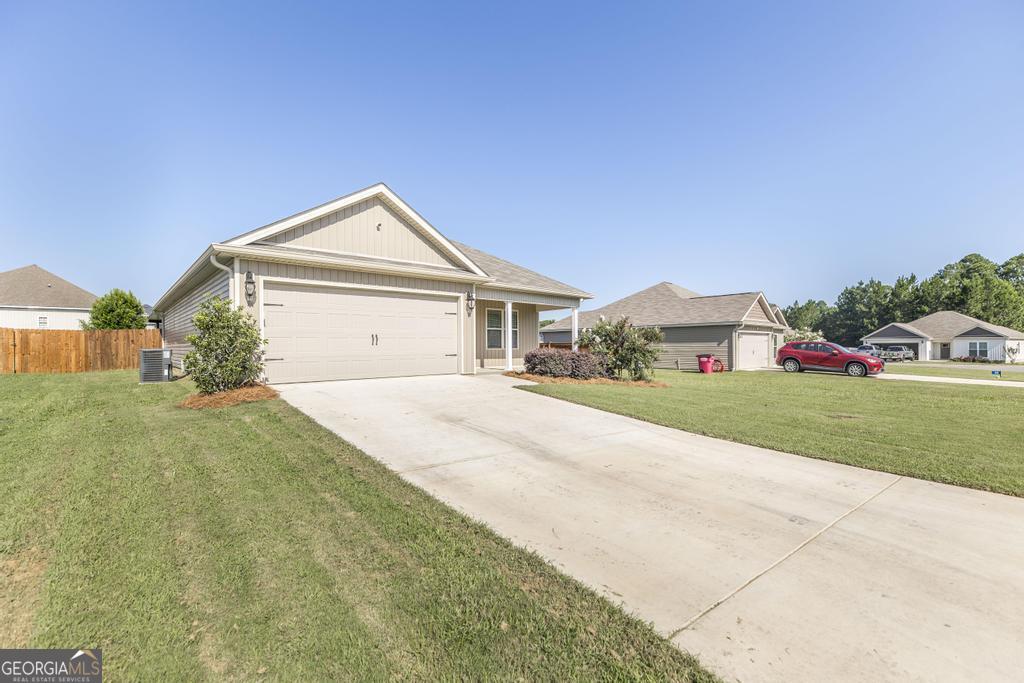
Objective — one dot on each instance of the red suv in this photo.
(800, 356)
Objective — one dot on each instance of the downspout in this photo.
(231, 277)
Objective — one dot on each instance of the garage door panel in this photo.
(324, 333)
(753, 350)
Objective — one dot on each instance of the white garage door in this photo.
(324, 333)
(752, 350)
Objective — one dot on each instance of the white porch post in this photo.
(508, 335)
(575, 328)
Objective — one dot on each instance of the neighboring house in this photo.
(34, 298)
(364, 286)
(741, 330)
(948, 334)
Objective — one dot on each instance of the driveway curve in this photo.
(766, 565)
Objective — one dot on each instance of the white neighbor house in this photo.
(34, 298)
(948, 334)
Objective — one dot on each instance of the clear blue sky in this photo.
(790, 147)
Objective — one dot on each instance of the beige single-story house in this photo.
(742, 330)
(34, 298)
(948, 334)
(363, 286)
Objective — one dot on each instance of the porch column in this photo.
(575, 328)
(508, 335)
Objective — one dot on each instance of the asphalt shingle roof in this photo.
(507, 273)
(666, 304)
(949, 324)
(34, 286)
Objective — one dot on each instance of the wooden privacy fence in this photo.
(73, 350)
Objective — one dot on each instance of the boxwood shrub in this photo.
(565, 363)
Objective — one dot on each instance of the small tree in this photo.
(116, 310)
(626, 349)
(227, 350)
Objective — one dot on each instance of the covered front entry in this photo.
(753, 350)
(319, 333)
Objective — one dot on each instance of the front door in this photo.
(944, 351)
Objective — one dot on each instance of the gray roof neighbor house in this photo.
(32, 297)
(740, 329)
(948, 334)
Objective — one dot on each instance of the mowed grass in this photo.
(249, 542)
(965, 435)
(982, 371)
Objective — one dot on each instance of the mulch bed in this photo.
(544, 379)
(223, 399)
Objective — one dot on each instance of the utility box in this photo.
(156, 365)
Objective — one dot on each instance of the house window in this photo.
(978, 349)
(496, 328)
(495, 332)
(43, 322)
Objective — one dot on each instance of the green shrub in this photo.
(227, 351)
(565, 363)
(116, 310)
(625, 348)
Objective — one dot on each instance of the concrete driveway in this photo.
(766, 565)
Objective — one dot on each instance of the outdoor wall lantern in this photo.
(470, 301)
(250, 285)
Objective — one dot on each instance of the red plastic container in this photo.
(706, 363)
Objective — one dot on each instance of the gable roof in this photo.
(380, 190)
(949, 324)
(779, 316)
(667, 305)
(509, 275)
(35, 286)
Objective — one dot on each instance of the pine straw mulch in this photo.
(223, 399)
(544, 379)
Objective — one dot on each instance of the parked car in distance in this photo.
(899, 353)
(868, 349)
(800, 356)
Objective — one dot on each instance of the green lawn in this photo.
(248, 541)
(965, 435)
(982, 371)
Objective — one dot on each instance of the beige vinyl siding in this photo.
(528, 335)
(261, 269)
(354, 230)
(757, 313)
(682, 345)
(498, 294)
(177, 323)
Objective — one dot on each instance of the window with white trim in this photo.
(495, 330)
(978, 349)
(43, 322)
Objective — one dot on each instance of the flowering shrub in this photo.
(565, 363)
(625, 348)
(973, 359)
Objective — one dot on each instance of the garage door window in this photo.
(978, 350)
(496, 329)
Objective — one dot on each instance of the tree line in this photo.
(974, 286)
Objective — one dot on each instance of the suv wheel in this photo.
(856, 370)
(791, 365)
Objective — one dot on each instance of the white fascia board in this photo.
(374, 190)
(340, 262)
(41, 308)
(495, 284)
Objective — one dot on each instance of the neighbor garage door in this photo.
(324, 333)
(752, 350)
